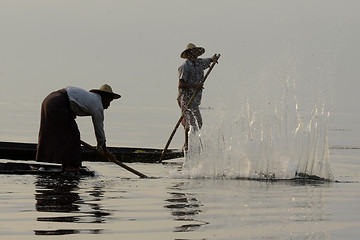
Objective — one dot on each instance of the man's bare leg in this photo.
(186, 144)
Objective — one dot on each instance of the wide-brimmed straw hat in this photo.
(191, 47)
(106, 89)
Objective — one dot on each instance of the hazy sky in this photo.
(135, 46)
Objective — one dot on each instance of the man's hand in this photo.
(215, 58)
(111, 156)
(199, 86)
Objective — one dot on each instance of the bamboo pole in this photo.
(102, 155)
(186, 107)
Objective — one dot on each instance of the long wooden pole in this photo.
(101, 154)
(186, 107)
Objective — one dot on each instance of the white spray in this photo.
(271, 140)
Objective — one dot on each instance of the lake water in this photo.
(117, 204)
(284, 66)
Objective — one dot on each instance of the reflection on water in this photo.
(61, 195)
(184, 207)
(176, 208)
(251, 209)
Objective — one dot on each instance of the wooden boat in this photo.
(27, 151)
(41, 169)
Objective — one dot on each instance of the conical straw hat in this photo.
(106, 89)
(191, 47)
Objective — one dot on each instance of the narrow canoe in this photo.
(41, 169)
(27, 151)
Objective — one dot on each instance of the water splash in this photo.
(272, 140)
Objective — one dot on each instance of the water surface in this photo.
(117, 204)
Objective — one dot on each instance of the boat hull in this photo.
(13, 168)
(27, 151)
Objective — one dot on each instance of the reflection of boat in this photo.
(27, 151)
(40, 169)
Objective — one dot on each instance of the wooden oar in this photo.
(102, 155)
(186, 107)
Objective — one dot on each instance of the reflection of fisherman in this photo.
(55, 195)
(59, 136)
(191, 73)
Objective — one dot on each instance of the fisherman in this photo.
(59, 136)
(191, 73)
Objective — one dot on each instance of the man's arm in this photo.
(98, 121)
(207, 61)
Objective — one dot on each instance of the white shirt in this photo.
(85, 103)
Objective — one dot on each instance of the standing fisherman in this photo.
(59, 136)
(191, 73)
